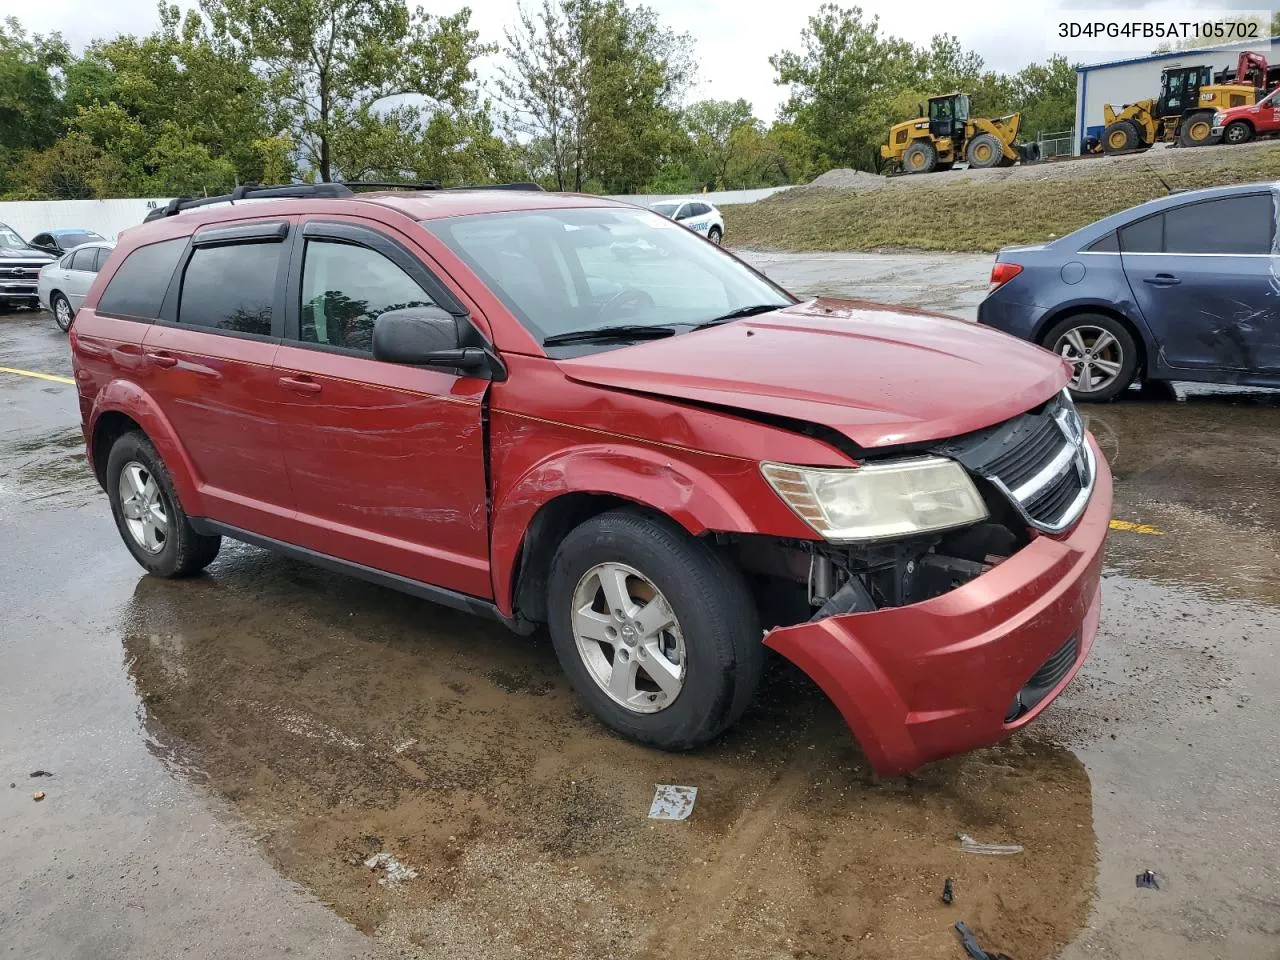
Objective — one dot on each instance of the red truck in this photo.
(569, 413)
(1242, 124)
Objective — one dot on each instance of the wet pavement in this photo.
(228, 753)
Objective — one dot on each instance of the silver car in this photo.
(63, 284)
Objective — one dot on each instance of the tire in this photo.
(1089, 329)
(1237, 132)
(984, 151)
(714, 640)
(181, 551)
(62, 314)
(1196, 129)
(920, 157)
(715, 235)
(1120, 136)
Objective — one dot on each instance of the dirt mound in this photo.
(842, 178)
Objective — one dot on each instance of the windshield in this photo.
(568, 270)
(69, 240)
(10, 240)
(666, 209)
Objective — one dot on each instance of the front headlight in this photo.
(879, 500)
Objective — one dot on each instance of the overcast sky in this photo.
(733, 38)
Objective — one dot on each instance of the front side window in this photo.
(666, 209)
(137, 289)
(1231, 225)
(345, 288)
(571, 270)
(85, 259)
(231, 288)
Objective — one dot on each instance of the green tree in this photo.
(841, 80)
(73, 168)
(1046, 95)
(720, 141)
(593, 88)
(346, 76)
(31, 110)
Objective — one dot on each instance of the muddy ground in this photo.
(229, 752)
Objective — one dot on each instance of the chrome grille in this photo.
(1041, 461)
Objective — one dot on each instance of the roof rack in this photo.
(256, 191)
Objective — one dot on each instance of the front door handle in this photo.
(299, 385)
(163, 359)
(1162, 280)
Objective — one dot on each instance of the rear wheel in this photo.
(1101, 352)
(1120, 136)
(656, 632)
(148, 515)
(984, 151)
(61, 311)
(920, 157)
(1196, 130)
(1237, 132)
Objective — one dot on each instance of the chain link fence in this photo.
(1055, 144)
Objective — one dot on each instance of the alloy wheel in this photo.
(1095, 356)
(62, 312)
(143, 506)
(628, 638)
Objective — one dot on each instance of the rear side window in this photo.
(1145, 236)
(1107, 244)
(231, 288)
(103, 254)
(138, 287)
(345, 288)
(85, 259)
(1230, 225)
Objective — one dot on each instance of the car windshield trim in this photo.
(565, 270)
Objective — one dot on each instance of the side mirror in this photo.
(429, 337)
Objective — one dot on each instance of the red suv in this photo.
(568, 411)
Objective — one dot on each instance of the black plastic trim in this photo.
(425, 591)
(252, 232)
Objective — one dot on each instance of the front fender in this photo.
(122, 396)
(695, 498)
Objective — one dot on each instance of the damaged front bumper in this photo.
(965, 669)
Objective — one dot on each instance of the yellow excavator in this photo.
(947, 135)
(1183, 113)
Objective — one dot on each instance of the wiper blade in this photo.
(748, 311)
(626, 331)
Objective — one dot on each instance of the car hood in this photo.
(880, 375)
(26, 253)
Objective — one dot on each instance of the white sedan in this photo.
(698, 216)
(63, 284)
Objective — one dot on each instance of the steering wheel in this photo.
(626, 301)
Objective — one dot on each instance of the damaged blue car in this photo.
(1186, 287)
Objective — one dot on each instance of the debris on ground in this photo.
(40, 773)
(38, 796)
(671, 802)
(970, 943)
(947, 894)
(396, 872)
(1147, 879)
(970, 845)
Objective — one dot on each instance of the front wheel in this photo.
(715, 235)
(1101, 351)
(657, 633)
(1237, 132)
(62, 314)
(985, 151)
(1120, 136)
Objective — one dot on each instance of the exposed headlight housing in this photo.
(879, 500)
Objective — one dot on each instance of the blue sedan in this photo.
(1186, 287)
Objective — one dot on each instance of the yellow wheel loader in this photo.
(1183, 113)
(948, 135)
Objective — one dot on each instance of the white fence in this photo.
(105, 217)
(109, 217)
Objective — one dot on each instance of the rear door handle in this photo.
(163, 359)
(1162, 280)
(298, 385)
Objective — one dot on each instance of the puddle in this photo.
(345, 722)
(47, 470)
